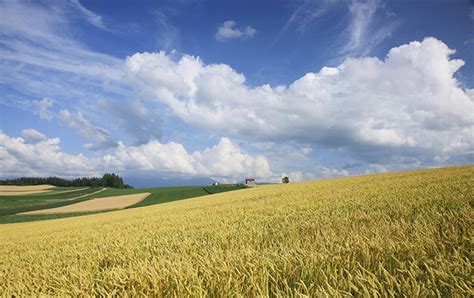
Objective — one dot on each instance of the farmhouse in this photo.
(250, 181)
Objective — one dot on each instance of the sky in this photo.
(174, 92)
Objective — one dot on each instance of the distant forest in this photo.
(108, 180)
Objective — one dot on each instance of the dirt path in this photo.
(64, 191)
(87, 194)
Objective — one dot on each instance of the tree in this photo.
(285, 179)
(108, 180)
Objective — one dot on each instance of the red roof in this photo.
(250, 179)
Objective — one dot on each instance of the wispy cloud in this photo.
(307, 12)
(364, 32)
(362, 15)
(229, 30)
(102, 138)
(168, 35)
(89, 16)
(35, 41)
(369, 23)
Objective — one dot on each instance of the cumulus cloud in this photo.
(101, 137)
(228, 30)
(224, 160)
(42, 108)
(21, 158)
(408, 105)
(32, 135)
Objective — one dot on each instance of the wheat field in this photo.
(16, 190)
(406, 233)
(25, 187)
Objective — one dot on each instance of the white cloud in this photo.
(407, 105)
(228, 30)
(222, 160)
(369, 23)
(42, 108)
(91, 17)
(327, 172)
(306, 150)
(225, 160)
(101, 137)
(20, 158)
(32, 135)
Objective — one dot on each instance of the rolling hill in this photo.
(396, 234)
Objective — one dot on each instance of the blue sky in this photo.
(229, 89)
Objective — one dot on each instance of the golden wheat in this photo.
(387, 235)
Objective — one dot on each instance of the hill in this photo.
(392, 234)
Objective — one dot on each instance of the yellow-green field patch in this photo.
(25, 187)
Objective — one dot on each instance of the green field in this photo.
(11, 205)
(407, 234)
(168, 194)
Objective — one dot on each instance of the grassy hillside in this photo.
(168, 194)
(391, 234)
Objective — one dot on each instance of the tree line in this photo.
(107, 180)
